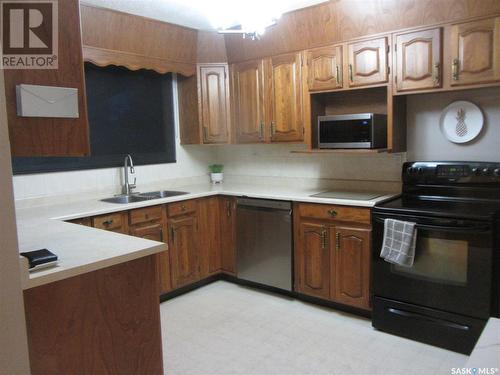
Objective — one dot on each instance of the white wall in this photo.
(13, 342)
(277, 161)
(192, 162)
(425, 140)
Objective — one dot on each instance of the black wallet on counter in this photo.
(40, 258)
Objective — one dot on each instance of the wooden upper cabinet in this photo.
(367, 62)
(283, 78)
(213, 96)
(475, 52)
(418, 60)
(351, 266)
(324, 68)
(183, 250)
(248, 101)
(313, 260)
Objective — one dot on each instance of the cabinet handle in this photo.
(261, 130)
(337, 241)
(183, 207)
(107, 222)
(205, 133)
(435, 74)
(350, 73)
(337, 72)
(161, 235)
(323, 239)
(172, 233)
(332, 213)
(273, 130)
(228, 208)
(454, 69)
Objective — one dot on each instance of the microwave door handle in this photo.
(451, 228)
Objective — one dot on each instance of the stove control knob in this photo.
(420, 170)
(476, 171)
(496, 172)
(410, 170)
(486, 171)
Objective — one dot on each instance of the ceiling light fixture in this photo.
(250, 19)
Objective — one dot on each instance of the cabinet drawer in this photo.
(112, 222)
(181, 208)
(335, 212)
(143, 215)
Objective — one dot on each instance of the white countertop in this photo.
(486, 353)
(82, 249)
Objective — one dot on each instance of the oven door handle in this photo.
(429, 319)
(471, 228)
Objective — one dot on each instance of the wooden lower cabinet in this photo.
(351, 266)
(332, 258)
(184, 255)
(209, 236)
(227, 209)
(313, 260)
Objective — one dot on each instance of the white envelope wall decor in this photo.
(47, 101)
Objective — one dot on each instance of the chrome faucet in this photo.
(128, 187)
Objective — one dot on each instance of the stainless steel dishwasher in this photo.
(264, 242)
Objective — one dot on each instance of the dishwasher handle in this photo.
(264, 204)
(287, 212)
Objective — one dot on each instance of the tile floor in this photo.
(224, 328)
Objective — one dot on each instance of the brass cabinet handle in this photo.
(261, 130)
(183, 207)
(337, 72)
(323, 239)
(228, 209)
(107, 222)
(337, 241)
(161, 235)
(350, 73)
(205, 133)
(273, 130)
(435, 74)
(332, 213)
(454, 69)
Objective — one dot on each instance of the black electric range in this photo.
(451, 290)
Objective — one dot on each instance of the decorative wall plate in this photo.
(461, 121)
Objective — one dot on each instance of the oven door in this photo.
(452, 268)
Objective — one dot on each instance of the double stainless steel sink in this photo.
(140, 197)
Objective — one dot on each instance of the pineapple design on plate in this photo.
(461, 125)
(461, 121)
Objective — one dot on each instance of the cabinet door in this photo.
(154, 231)
(324, 68)
(228, 233)
(351, 266)
(209, 236)
(183, 250)
(313, 257)
(248, 91)
(418, 60)
(284, 85)
(475, 52)
(213, 97)
(367, 62)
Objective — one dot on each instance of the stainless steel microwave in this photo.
(363, 130)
